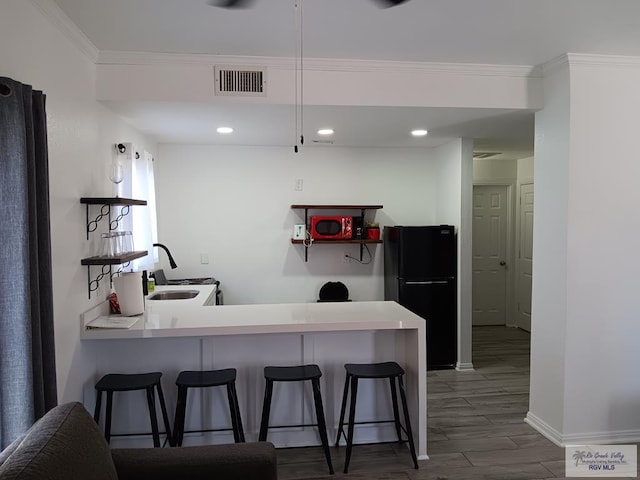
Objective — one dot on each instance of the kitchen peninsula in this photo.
(195, 334)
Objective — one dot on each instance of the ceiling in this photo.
(499, 32)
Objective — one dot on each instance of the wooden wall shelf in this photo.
(329, 242)
(360, 241)
(120, 259)
(337, 207)
(111, 201)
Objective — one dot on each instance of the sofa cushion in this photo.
(6, 453)
(64, 444)
(242, 461)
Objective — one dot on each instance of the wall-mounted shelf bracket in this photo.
(107, 267)
(105, 210)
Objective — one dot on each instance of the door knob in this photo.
(502, 263)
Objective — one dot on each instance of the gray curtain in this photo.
(27, 356)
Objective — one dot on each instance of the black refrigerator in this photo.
(420, 266)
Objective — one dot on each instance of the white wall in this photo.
(233, 203)
(585, 301)
(488, 170)
(188, 78)
(548, 308)
(602, 270)
(525, 170)
(448, 183)
(80, 132)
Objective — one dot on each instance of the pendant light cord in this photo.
(301, 73)
(295, 73)
(298, 72)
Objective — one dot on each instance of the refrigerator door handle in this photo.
(428, 282)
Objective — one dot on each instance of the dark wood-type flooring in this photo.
(474, 421)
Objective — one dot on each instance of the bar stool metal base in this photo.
(116, 382)
(205, 379)
(390, 370)
(296, 374)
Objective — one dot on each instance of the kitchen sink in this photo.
(174, 295)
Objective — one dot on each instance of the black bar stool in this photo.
(390, 370)
(296, 374)
(205, 379)
(119, 382)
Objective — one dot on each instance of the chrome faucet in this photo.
(172, 262)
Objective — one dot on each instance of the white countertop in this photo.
(199, 316)
(224, 329)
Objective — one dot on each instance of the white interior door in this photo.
(489, 297)
(525, 257)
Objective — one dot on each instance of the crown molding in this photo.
(569, 60)
(321, 64)
(53, 13)
(603, 60)
(110, 57)
(63, 23)
(555, 64)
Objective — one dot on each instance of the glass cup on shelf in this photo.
(110, 244)
(116, 243)
(126, 242)
(120, 242)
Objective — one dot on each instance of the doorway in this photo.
(490, 254)
(525, 258)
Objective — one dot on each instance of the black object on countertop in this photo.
(161, 279)
(145, 283)
(334, 292)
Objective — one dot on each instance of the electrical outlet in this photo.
(346, 258)
(299, 185)
(204, 258)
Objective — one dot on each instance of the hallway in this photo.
(475, 419)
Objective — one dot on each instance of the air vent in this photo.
(482, 155)
(240, 81)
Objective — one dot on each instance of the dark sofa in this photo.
(67, 444)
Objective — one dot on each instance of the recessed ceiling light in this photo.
(326, 131)
(419, 133)
(224, 130)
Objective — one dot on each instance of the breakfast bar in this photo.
(195, 334)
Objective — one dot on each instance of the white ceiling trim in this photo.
(554, 64)
(54, 14)
(321, 64)
(603, 60)
(574, 59)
